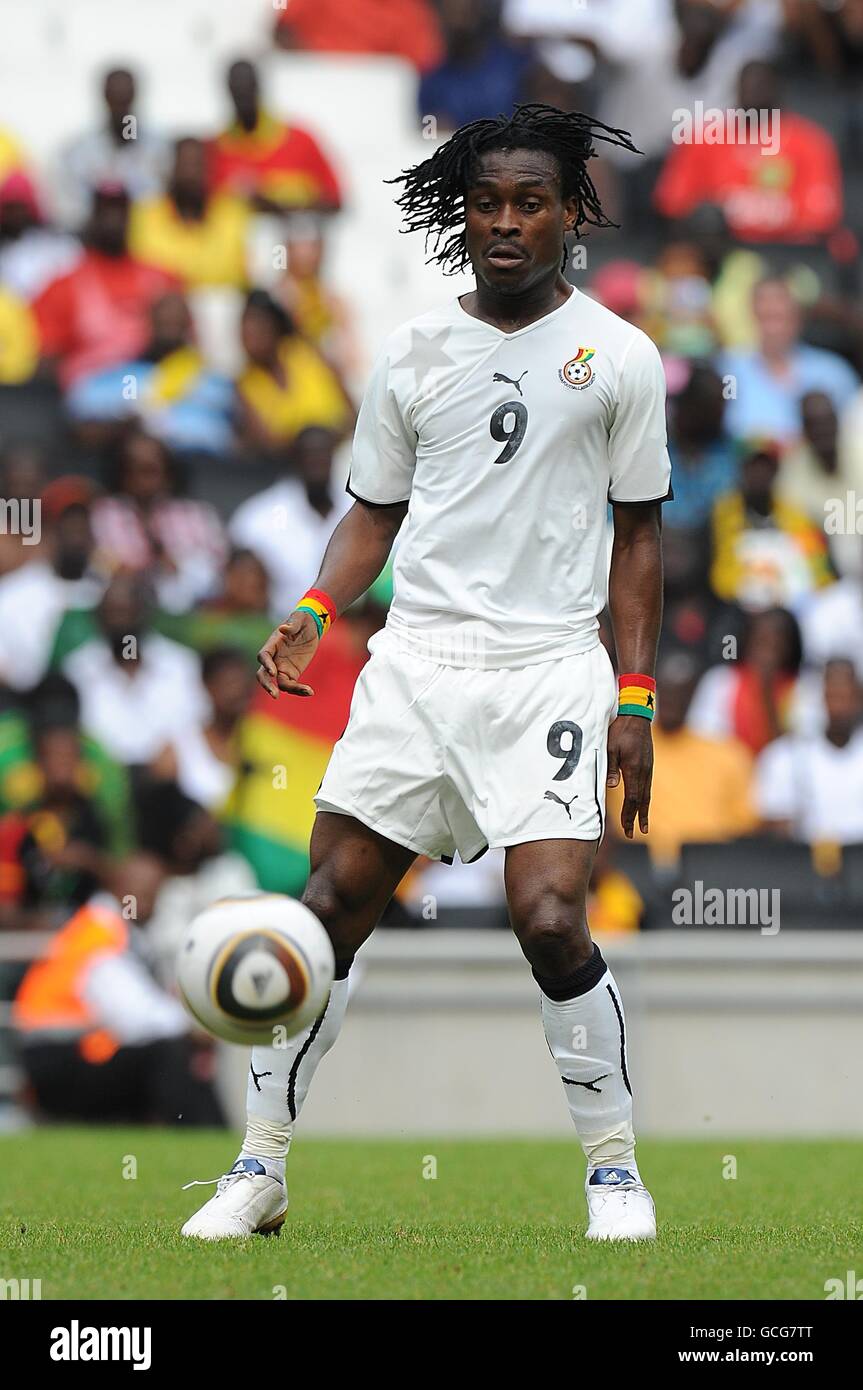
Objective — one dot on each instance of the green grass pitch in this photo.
(501, 1220)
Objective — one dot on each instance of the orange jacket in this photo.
(50, 998)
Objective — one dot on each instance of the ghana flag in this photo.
(284, 748)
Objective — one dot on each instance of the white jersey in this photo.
(507, 448)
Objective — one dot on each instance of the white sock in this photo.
(586, 1036)
(279, 1078)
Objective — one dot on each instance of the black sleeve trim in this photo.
(647, 502)
(399, 502)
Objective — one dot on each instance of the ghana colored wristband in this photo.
(637, 695)
(321, 607)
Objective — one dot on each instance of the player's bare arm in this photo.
(357, 552)
(635, 604)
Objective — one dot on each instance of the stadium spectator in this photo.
(289, 524)
(770, 381)
(323, 317)
(52, 850)
(407, 30)
(703, 459)
(832, 620)
(122, 151)
(613, 902)
(199, 236)
(810, 787)
(204, 759)
(778, 180)
(199, 869)
(678, 311)
(238, 616)
(481, 72)
(761, 696)
(765, 550)
(694, 620)
(168, 388)
(261, 158)
(53, 705)
(32, 253)
(34, 597)
(137, 688)
(817, 474)
(98, 312)
(245, 588)
(733, 271)
(98, 1038)
(724, 764)
(143, 524)
(286, 385)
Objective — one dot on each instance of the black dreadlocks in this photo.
(433, 197)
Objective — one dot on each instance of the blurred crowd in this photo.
(185, 503)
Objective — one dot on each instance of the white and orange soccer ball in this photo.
(255, 969)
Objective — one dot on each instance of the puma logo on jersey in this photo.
(513, 381)
(552, 796)
(257, 1076)
(588, 1085)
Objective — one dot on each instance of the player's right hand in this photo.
(286, 654)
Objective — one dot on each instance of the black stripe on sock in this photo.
(617, 1010)
(292, 1079)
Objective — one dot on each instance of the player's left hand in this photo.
(630, 754)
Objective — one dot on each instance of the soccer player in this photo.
(498, 427)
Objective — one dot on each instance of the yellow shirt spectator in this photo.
(19, 340)
(702, 792)
(308, 394)
(211, 250)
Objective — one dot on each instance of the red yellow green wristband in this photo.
(321, 607)
(637, 695)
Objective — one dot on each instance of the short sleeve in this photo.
(383, 457)
(639, 466)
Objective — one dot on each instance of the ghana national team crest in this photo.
(577, 372)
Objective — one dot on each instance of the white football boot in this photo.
(250, 1200)
(619, 1206)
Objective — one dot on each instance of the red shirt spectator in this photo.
(284, 164)
(98, 313)
(794, 195)
(261, 157)
(404, 28)
(781, 182)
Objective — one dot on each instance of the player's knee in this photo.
(552, 932)
(336, 909)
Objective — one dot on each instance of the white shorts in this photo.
(445, 758)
